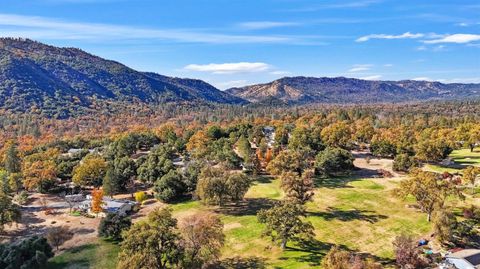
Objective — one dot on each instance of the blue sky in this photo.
(234, 43)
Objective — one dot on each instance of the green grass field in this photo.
(461, 157)
(361, 215)
(99, 255)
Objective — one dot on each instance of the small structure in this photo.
(121, 207)
(465, 259)
(178, 161)
(269, 133)
(448, 162)
(73, 151)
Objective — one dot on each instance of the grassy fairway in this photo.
(462, 158)
(360, 214)
(98, 255)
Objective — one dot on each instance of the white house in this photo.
(121, 207)
(465, 259)
(269, 133)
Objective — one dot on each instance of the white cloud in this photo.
(230, 84)
(47, 28)
(258, 25)
(385, 36)
(280, 73)
(462, 80)
(337, 5)
(439, 48)
(421, 48)
(466, 24)
(454, 38)
(373, 77)
(422, 79)
(229, 68)
(359, 68)
(388, 65)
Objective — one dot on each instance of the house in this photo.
(465, 259)
(73, 151)
(121, 207)
(269, 133)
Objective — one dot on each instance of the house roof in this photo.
(470, 255)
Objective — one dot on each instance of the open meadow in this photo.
(357, 212)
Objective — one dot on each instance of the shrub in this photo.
(383, 148)
(443, 225)
(333, 161)
(403, 162)
(56, 236)
(342, 259)
(112, 226)
(407, 255)
(140, 197)
(336, 259)
(29, 253)
(21, 198)
(170, 187)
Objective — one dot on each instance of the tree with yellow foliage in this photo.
(337, 134)
(197, 144)
(90, 172)
(470, 176)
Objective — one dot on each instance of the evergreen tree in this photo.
(13, 163)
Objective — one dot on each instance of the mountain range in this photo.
(341, 90)
(59, 82)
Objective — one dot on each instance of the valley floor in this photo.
(359, 212)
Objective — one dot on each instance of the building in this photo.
(121, 207)
(269, 133)
(465, 259)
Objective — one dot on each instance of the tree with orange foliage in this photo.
(268, 156)
(259, 154)
(39, 170)
(97, 201)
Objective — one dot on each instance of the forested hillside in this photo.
(62, 82)
(341, 90)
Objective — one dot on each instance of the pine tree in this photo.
(12, 160)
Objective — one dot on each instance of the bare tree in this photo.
(56, 236)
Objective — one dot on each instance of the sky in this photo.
(231, 43)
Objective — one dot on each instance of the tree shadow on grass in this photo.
(74, 261)
(381, 260)
(341, 181)
(82, 248)
(315, 250)
(349, 215)
(83, 231)
(333, 182)
(240, 263)
(250, 206)
(263, 179)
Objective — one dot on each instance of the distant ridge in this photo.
(341, 90)
(60, 81)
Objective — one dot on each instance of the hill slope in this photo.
(35, 76)
(305, 90)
